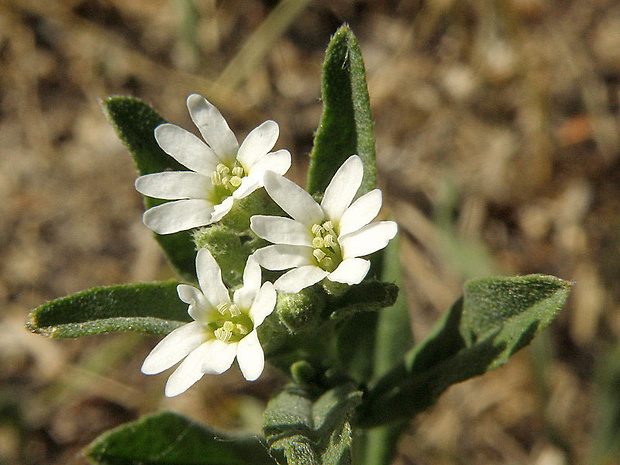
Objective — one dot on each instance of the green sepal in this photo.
(229, 249)
(134, 122)
(169, 438)
(153, 308)
(301, 312)
(494, 319)
(346, 126)
(304, 430)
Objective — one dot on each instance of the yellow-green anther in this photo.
(234, 310)
(242, 330)
(223, 169)
(237, 171)
(318, 254)
(225, 332)
(317, 242)
(222, 307)
(235, 181)
(317, 229)
(329, 226)
(216, 178)
(329, 241)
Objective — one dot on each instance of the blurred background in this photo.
(498, 138)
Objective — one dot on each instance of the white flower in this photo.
(222, 330)
(220, 170)
(321, 241)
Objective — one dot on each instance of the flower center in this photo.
(234, 324)
(227, 180)
(326, 247)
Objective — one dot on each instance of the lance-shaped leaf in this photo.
(390, 342)
(134, 122)
(371, 343)
(169, 438)
(605, 444)
(346, 126)
(146, 307)
(494, 319)
(305, 431)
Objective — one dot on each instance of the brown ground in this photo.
(497, 132)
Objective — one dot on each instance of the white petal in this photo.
(221, 209)
(173, 348)
(220, 357)
(250, 357)
(279, 162)
(293, 199)
(190, 294)
(210, 278)
(257, 143)
(174, 185)
(188, 372)
(350, 271)
(282, 257)
(244, 297)
(248, 185)
(281, 230)
(171, 217)
(297, 279)
(368, 239)
(186, 148)
(361, 212)
(263, 305)
(199, 306)
(342, 188)
(213, 127)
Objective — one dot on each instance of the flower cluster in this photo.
(223, 328)
(220, 170)
(319, 242)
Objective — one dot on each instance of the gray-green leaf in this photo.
(307, 431)
(169, 438)
(389, 342)
(134, 122)
(346, 126)
(146, 307)
(494, 319)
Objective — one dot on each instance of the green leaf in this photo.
(494, 319)
(308, 431)
(393, 338)
(366, 342)
(146, 307)
(605, 444)
(169, 438)
(369, 295)
(134, 122)
(346, 126)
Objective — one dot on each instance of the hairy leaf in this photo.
(346, 126)
(392, 339)
(146, 307)
(494, 319)
(169, 438)
(135, 122)
(306, 431)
